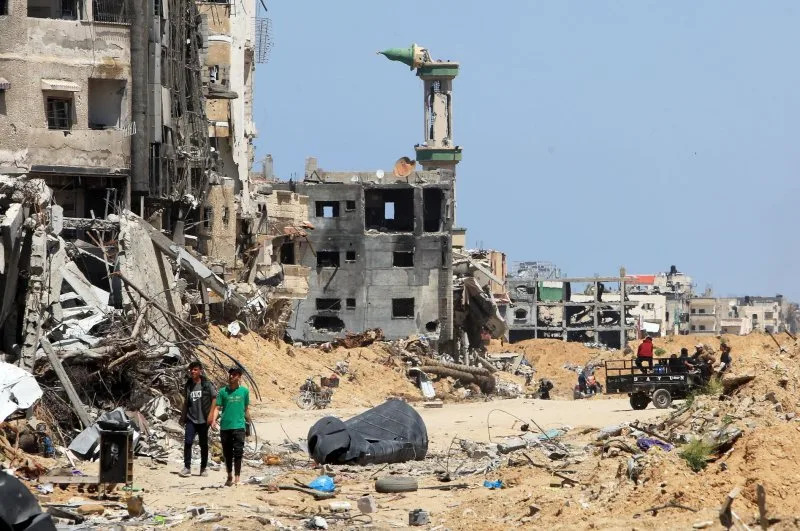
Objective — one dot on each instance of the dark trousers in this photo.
(233, 449)
(201, 430)
(642, 360)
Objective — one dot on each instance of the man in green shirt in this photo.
(234, 400)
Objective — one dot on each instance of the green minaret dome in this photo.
(412, 56)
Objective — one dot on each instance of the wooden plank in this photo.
(761, 495)
(73, 480)
(77, 405)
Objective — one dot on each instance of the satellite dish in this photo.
(379, 174)
(404, 167)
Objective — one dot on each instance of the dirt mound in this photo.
(280, 369)
(553, 359)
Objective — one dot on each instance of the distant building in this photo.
(677, 289)
(738, 315)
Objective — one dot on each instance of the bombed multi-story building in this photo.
(65, 99)
(381, 250)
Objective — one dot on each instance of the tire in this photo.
(305, 400)
(662, 399)
(639, 401)
(396, 484)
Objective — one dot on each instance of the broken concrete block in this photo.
(91, 509)
(196, 511)
(418, 517)
(770, 397)
(172, 427)
(158, 408)
(511, 445)
(56, 219)
(367, 504)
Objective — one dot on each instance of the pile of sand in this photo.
(280, 369)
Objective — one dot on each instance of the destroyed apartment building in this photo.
(584, 309)
(125, 203)
(381, 254)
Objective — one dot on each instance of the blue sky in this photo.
(596, 134)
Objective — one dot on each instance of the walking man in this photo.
(198, 394)
(234, 400)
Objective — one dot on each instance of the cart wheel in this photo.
(305, 400)
(639, 401)
(662, 399)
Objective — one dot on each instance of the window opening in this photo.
(110, 11)
(432, 199)
(327, 209)
(520, 314)
(59, 113)
(350, 256)
(389, 209)
(402, 308)
(329, 323)
(333, 305)
(349, 206)
(351, 304)
(63, 9)
(105, 103)
(328, 259)
(403, 259)
(208, 217)
(287, 253)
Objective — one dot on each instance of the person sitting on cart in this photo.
(645, 354)
(686, 362)
(675, 364)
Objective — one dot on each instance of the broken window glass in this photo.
(402, 308)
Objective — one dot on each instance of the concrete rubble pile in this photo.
(103, 312)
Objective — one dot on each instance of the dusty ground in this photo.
(468, 420)
(768, 453)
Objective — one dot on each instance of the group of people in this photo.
(702, 361)
(203, 406)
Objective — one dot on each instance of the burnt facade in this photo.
(379, 255)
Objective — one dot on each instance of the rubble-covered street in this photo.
(561, 463)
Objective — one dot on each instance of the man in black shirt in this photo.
(199, 394)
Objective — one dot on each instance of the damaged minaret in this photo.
(438, 150)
